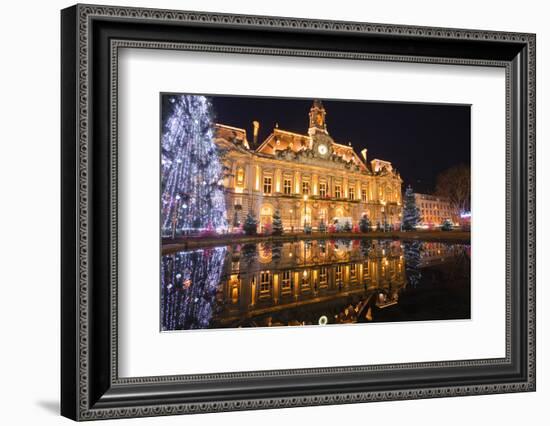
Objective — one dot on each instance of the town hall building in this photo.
(309, 178)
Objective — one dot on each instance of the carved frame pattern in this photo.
(85, 409)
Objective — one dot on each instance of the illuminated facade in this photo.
(434, 210)
(308, 178)
(310, 282)
(313, 282)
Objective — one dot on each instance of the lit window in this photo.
(338, 274)
(287, 186)
(240, 176)
(323, 275)
(267, 185)
(305, 188)
(285, 281)
(323, 189)
(305, 279)
(337, 191)
(353, 271)
(364, 195)
(265, 282)
(366, 270)
(351, 193)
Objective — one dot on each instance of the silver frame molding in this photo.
(91, 39)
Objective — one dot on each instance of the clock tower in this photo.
(317, 115)
(321, 142)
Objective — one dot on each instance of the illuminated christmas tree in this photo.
(192, 173)
(250, 224)
(277, 223)
(411, 213)
(364, 224)
(447, 225)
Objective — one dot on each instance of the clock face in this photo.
(322, 149)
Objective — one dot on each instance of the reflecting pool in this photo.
(314, 282)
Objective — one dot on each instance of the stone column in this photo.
(232, 178)
(315, 184)
(249, 178)
(278, 181)
(345, 187)
(297, 183)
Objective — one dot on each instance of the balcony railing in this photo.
(326, 197)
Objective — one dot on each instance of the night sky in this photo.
(420, 140)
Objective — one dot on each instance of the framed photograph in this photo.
(264, 212)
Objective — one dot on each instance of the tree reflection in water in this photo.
(314, 282)
(190, 281)
(276, 251)
(411, 251)
(249, 253)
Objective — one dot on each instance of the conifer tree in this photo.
(411, 213)
(191, 182)
(250, 226)
(447, 225)
(277, 224)
(364, 224)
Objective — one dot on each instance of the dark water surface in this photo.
(314, 282)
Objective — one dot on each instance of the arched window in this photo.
(266, 214)
(240, 176)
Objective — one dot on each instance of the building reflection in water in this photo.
(303, 283)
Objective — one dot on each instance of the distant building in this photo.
(309, 178)
(434, 210)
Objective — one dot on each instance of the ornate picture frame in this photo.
(90, 40)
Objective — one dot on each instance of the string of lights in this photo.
(192, 193)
